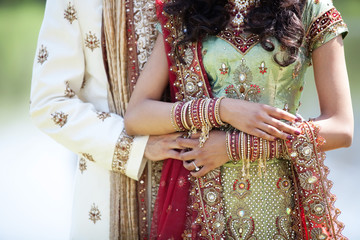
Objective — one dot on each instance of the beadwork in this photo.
(121, 153)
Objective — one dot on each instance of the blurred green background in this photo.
(20, 22)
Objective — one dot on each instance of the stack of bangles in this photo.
(245, 148)
(199, 114)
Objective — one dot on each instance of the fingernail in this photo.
(289, 137)
(298, 120)
(297, 133)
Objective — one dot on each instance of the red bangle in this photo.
(177, 115)
(211, 112)
(255, 149)
(234, 144)
(195, 113)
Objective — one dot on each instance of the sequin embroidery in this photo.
(91, 41)
(82, 165)
(43, 54)
(103, 115)
(68, 91)
(59, 118)
(70, 13)
(94, 214)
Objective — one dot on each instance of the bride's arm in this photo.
(336, 119)
(145, 114)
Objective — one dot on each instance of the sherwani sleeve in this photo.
(57, 103)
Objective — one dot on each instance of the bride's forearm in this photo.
(150, 117)
(337, 132)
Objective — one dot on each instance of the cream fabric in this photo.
(71, 61)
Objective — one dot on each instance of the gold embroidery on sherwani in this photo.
(122, 151)
(82, 165)
(59, 118)
(91, 41)
(43, 54)
(88, 157)
(68, 91)
(70, 13)
(94, 214)
(103, 115)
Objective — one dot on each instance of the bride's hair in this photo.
(273, 18)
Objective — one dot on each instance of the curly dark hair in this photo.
(273, 18)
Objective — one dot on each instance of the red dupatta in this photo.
(192, 208)
(186, 207)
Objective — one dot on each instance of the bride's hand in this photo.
(212, 155)
(257, 119)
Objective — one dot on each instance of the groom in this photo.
(89, 55)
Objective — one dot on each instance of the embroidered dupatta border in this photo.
(189, 81)
(315, 201)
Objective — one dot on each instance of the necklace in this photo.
(233, 34)
(238, 10)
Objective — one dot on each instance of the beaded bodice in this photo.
(253, 76)
(238, 66)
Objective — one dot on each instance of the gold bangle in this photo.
(260, 149)
(242, 149)
(183, 115)
(201, 113)
(228, 147)
(217, 112)
(206, 112)
(265, 150)
(189, 115)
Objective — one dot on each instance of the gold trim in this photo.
(122, 151)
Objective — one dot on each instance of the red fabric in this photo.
(171, 204)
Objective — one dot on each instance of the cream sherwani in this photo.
(69, 102)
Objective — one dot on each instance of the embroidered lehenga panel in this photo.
(286, 199)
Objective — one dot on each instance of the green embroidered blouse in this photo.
(260, 207)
